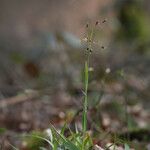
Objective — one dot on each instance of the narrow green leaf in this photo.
(42, 138)
(87, 142)
(68, 144)
(63, 129)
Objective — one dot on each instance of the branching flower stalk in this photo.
(89, 40)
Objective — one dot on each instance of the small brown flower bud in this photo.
(90, 50)
(104, 21)
(96, 23)
(102, 47)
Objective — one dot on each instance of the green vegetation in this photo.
(134, 24)
(77, 139)
(97, 108)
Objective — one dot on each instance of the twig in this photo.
(28, 95)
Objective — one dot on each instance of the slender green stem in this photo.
(86, 84)
(85, 104)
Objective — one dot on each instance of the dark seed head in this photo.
(96, 23)
(104, 21)
(87, 25)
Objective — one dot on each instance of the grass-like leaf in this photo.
(66, 143)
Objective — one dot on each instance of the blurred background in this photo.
(41, 63)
